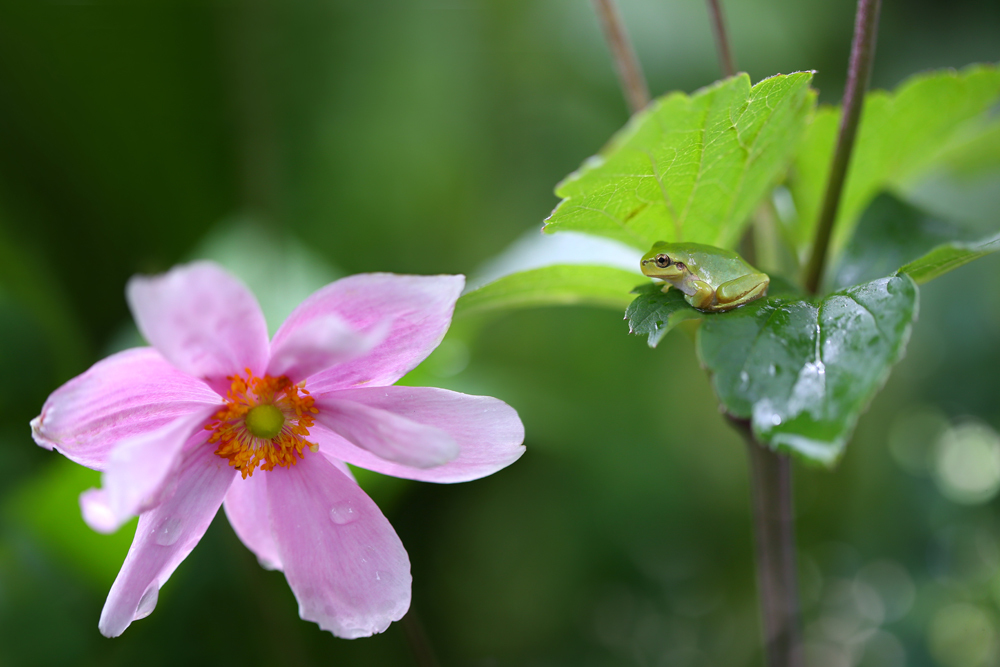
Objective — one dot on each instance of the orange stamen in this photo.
(245, 450)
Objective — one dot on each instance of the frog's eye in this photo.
(662, 261)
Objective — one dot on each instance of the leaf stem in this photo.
(858, 75)
(630, 75)
(726, 60)
(774, 530)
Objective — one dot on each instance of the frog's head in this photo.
(665, 261)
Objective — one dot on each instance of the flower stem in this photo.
(774, 535)
(726, 60)
(776, 572)
(417, 639)
(858, 75)
(630, 76)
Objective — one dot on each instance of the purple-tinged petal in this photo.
(97, 512)
(164, 537)
(344, 563)
(316, 344)
(126, 395)
(203, 320)
(386, 434)
(417, 310)
(141, 469)
(246, 509)
(487, 430)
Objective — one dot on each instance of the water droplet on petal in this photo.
(378, 576)
(147, 603)
(344, 512)
(167, 532)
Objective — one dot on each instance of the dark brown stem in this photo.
(416, 637)
(858, 74)
(629, 72)
(726, 60)
(774, 529)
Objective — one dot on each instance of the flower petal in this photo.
(417, 310)
(164, 537)
(487, 430)
(126, 395)
(385, 434)
(246, 509)
(344, 562)
(317, 344)
(202, 319)
(97, 512)
(140, 469)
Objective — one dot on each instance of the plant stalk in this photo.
(777, 579)
(726, 60)
(416, 637)
(630, 75)
(858, 74)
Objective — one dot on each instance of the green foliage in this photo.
(900, 136)
(552, 285)
(802, 370)
(894, 236)
(47, 506)
(948, 257)
(689, 168)
(655, 312)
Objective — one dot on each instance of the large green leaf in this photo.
(689, 168)
(900, 136)
(553, 285)
(949, 256)
(654, 313)
(893, 236)
(802, 370)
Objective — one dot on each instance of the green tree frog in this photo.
(712, 279)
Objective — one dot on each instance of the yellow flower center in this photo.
(263, 423)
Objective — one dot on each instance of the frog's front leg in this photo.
(703, 297)
(742, 290)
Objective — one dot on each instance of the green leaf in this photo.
(550, 286)
(893, 236)
(655, 312)
(689, 168)
(803, 370)
(890, 234)
(901, 135)
(948, 257)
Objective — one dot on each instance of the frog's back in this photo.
(709, 258)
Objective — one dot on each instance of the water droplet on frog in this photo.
(744, 377)
(168, 531)
(147, 603)
(772, 369)
(344, 512)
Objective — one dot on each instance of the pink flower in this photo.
(213, 414)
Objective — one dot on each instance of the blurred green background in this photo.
(299, 141)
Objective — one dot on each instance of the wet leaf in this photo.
(655, 312)
(803, 370)
(553, 286)
(689, 168)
